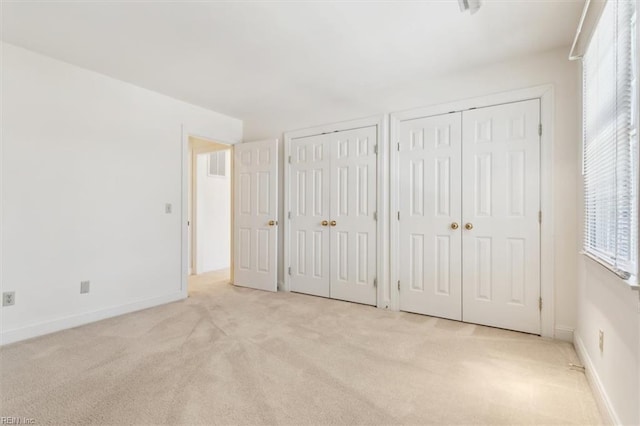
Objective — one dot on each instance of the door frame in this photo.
(546, 95)
(383, 298)
(185, 160)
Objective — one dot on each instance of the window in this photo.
(610, 133)
(218, 164)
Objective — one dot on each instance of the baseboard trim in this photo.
(40, 329)
(602, 399)
(565, 333)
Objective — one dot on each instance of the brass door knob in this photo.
(325, 223)
(469, 226)
(333, 223)
(273, 222)
(454, 225)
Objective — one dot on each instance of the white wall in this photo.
(534, 70)
(607, 303)
(213, 217)
(88, 163)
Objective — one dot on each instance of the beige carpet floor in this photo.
(231, 355)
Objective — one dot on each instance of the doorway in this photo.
(209, 207)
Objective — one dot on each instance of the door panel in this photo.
(256, 205)
(430, 201)
(353, 206)
(310, 198)
(501, 200)
(333, 180)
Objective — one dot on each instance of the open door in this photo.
(256, 219)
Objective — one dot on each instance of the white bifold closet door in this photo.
(430, 194)
(333, 215)
(310, 213)
(469, 233)
(501, 203)
(256, 215)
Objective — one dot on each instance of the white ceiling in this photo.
(285, 65)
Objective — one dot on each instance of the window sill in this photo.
(631, 282)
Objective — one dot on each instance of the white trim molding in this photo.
(591, 12)
(380, 121)
(562, 332)
(185, 158)
(184, 211)
(546, 95)
(602, 399)
(40, 329)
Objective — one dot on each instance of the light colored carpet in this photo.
(231, 355)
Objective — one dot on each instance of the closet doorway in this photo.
(468, 219)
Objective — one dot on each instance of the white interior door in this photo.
(256, 218)
(353, 214)
(310, 215)
(430, 209)
(501, 202)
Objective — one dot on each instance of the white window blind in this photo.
(611, 140)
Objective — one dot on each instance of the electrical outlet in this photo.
(8, 298)
(84, 286)
(601, 340)
(168, 208)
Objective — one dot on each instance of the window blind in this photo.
(610, 140)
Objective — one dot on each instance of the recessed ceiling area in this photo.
(285, 65)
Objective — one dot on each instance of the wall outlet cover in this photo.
(168, 208)
(8, 298)
(84, 286)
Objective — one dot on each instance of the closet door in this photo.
(310, 215)
(353, 210)
(501, 201)
(430, 211)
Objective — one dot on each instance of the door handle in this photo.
(273, 222)
(454, 225)
(333, 223)
(325, 223)
(468, 226)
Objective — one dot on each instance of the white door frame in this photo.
(185, 158)
(382, 206)
(546, 95)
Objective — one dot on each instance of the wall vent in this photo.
(218, 164)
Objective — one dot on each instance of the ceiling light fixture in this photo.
(471, 5)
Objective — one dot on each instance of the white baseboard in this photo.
(40, 329)
(562, 332)
(602, 399)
